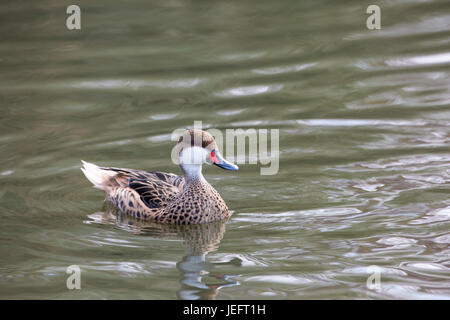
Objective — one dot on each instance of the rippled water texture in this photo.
(364, 167)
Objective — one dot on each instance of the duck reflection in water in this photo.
(197, 279)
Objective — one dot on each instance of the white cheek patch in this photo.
(191, 160)
(193, 156)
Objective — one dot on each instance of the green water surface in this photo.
(364, 135)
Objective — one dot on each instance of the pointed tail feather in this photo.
(97, 176)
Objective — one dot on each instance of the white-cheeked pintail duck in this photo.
(166, 197)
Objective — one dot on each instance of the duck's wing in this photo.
(156, 189)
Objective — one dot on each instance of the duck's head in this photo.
(196, 147)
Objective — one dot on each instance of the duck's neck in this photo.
(193, 173)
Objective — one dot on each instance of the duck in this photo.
(166, 197)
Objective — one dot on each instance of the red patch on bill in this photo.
(213, 157)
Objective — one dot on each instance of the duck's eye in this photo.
(213, 157)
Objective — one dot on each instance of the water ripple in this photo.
(136, 84)
(284, 69)
(249, 91)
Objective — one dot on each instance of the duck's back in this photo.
(155, 189)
